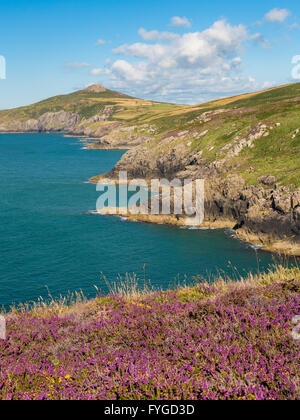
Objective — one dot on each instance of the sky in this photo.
(182, 52)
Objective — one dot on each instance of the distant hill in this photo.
(85, 103)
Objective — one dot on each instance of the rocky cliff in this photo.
(234, 159)
(48, 122)
(266, 214)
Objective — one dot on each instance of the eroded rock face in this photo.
(255, 209)
(264, 209)
(101, 116)
(112, 134)
(296, 217)
(239, 143)
(295, 201)
(282, 201)
(58, 121)
(50, 121)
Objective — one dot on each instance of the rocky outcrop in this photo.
(112, 134)
(235, 147)
(267, 180)
(96, 88)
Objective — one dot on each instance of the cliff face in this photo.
(49, 121)
(108, 134)
(266, 214)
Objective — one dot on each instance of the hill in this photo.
(94, 112)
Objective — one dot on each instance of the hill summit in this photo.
(96, 88)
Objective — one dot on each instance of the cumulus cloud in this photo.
(180, 21)
(156, 35)
(99, 72)
(277, 15)
(189, 68)
(267, 85)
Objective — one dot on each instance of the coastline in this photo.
(91, 143)
(264, 241)
(277, 246)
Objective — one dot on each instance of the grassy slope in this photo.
(227, 340)
(277, 154)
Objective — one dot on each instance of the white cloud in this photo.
(141, 50)
(277, 15)
(156, 35)
(180, 21)
(100, 42)
(267, 85)
(99, 72)
(188, 68)
(128, 71)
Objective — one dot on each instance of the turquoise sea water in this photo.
(49, 238)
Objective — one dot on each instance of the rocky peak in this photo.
(96, 88)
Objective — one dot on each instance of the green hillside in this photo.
(86, 103)
(276, 152)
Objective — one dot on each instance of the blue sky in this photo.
(186, 52)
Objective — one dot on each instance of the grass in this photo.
(223, 340)
(277, 154)
(87, 104)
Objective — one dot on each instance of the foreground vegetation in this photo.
(226, 340)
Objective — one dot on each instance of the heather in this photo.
(222, 340)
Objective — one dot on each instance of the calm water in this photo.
(48, 238)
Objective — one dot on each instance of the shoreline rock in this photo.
(264, 243)
(248, 210)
